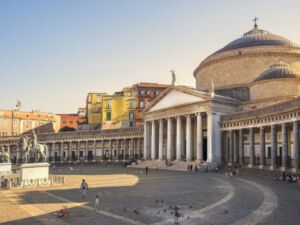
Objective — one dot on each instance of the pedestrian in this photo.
(283, 176)
(97, 203)
(206, 168)
(196, 168)
(176, 214)
(2, 182)
(216, 169)
(146, 169)
(84, 187)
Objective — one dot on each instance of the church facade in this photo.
(245, 108)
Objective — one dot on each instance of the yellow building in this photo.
(94, 108)
(118, 110)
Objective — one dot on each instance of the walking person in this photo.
(84, 187)
(97, 203)
(283, 177)
(176, 215)
(146, 170)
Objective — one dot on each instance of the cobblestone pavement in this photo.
(128, 196)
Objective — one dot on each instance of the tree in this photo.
(66, 129)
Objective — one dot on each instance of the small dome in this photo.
(279, 70)
(258, 37)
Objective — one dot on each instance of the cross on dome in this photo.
(255, 21)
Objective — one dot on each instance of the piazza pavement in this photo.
(128, 196)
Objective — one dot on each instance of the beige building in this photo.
(15, 122)
(245, 108)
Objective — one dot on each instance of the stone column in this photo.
(178, 138)
(235, 146)
(153, 141)
(102, 150)
(296, 146)
(252, 143)
(118, 150)
(188, 138)
(85, 153)
(161, 139)
(262, 148)
(284, 146)
(213, 138)
(273, 147)
(132, 149)
(241, 147)
(146, 140)
(231, 146)
(94, 151)
(169, 139)
(125, 149)
(61, 151)
(69, 156)
(138, 148)
(53, 152)
(199, 137)
(78, 151)
(110, 150)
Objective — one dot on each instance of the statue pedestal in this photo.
(34, 171)
(5, 168)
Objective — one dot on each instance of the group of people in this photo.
(232, 170)
(290, 178)
(4, 182)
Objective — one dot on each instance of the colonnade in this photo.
(159, 135)
(283, 154)
(96, 150)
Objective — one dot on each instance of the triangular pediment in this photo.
(174, 98)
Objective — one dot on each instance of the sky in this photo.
(53, 52)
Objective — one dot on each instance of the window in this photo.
(108, 116)
(148, 92)
(142, 92)
(141, 104)
(131, 124)
(131, 116)
(156, 93)
(269, 153)
(131, 104)
(108, 104)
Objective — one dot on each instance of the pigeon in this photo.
(191, 207)
(156, 201)
(124, 210)
(225, 211)
(136, 212)
(161, 201)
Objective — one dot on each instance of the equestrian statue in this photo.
(29, 146)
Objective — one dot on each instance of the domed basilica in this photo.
(245, 108)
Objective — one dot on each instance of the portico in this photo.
(184, 124)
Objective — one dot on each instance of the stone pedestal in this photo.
(34, 171)
(5, 168)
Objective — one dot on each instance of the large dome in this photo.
(241, 61)
(258, 37)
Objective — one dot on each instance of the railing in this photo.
(17, 182)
